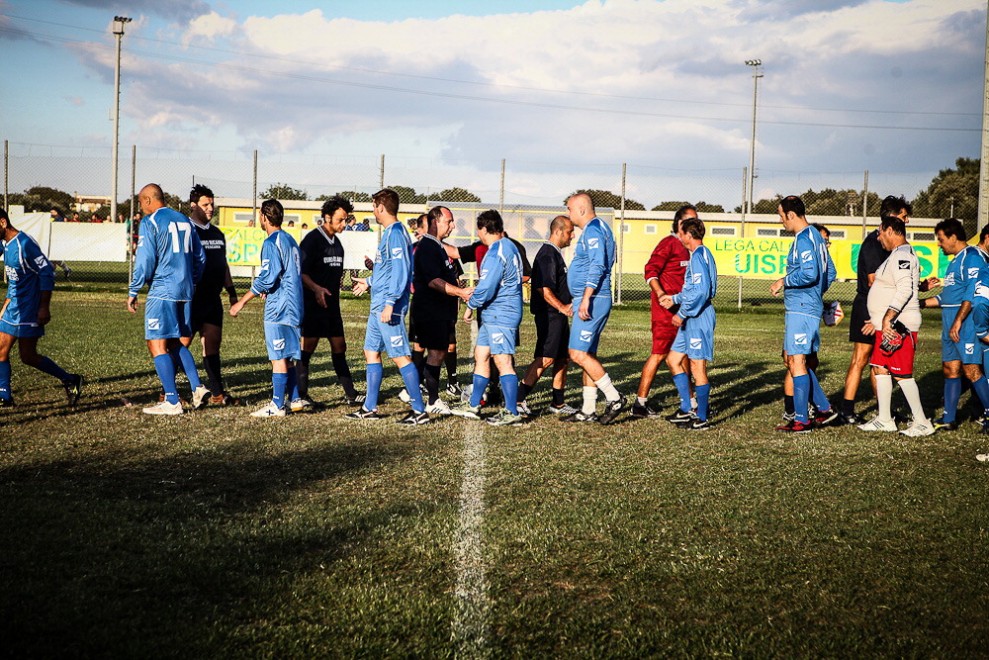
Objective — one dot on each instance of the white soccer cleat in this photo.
(404, 397)
(164, 408)
(300, 405)
(270, 410)
(918, 430)
(439, 408)
(876, 424)
(199, 397)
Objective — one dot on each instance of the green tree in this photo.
(702, 207)
(669, 206)
(958, 187)
(608, 199)
(284, 191)
(171, 201)
(455, 195)
(407, 195)
(43, 198)
(352, 195)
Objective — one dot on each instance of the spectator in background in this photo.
(96, 218)
(57, 215)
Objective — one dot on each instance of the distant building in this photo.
(90, 203)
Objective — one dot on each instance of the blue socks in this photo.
(47, 366)
(292, 385)
(510, 390)
(477, 392)
(410, 376)
(188, 365)
(165, 369)
(817, 393)
(981, 388)
(801, 395)
(682, 383)
(373, 378)
(703, 397)
(952, 392)
(5, 381)
(278, 384)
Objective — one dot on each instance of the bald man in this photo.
(589, 279)
(170, 259)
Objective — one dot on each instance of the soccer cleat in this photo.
(562, 410)
(918, 430)
(7, 403)
(788, 416)
(415, 419)
(270, 410)
(504, 418)
(985, 426)
(941, 425)
(404, 397)
(612, 410)
(825, 417)
(849, 419)
(698, 425)
(876, 424)
(438, 408)
(364, 413)
(357, 399)
(794, 427)
(580, 417)
(225, 400)
(73, 389)
(300, 405)
(680, 417)
(641, 411)
(466, 410)
(199, 397)
(523, 409)
(453, 389)
(164, 408)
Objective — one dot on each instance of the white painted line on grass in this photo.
(470, 619)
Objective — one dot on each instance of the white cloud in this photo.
(208, 27)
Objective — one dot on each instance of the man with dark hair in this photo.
(958, 336)
(499, 296)
(207, 308)
(871, 256)
(322, 272)
(664, 276)
(894, 320)
(695, 322)
(170, 259)
(26, 310)
(809, 274)
(589, 279)
(552, 306)
(390, 285)
(280, 282)
(434, 301)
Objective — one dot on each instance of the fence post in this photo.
(254, 195)
(5, 177)
(501, 194)
(621, 239)
(745, 196)
(381, 173)
(865, 203)
(130, 218)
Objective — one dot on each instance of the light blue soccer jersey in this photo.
(280, 279)
(169, 256)
(28, 274)
(391, 280)
(593, 260)
(700, 284)
(809, 274)
(499, 288)
(963, 273)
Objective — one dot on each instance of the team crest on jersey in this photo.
(278, 344)
(695, 342)
(154, 324)
(483, 275)
(800, 339)
(140, 241)
(264, 264)
(396, 253)
(593, 243)
(949, 280)
(806, 255)
(498, 336)
(395, 341)
(969, 349)
(973, 273)
(40, 261)
(904, 265)
(697, 277)
(586, 335)
(684, 264)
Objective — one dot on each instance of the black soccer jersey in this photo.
(215, 271)
(322, 261)
(549, 271)
(871, 257)
(432, 262)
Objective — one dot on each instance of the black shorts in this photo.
(208, 309)
(552, 336)
(434, 334)
(860, 314)
(323, 323)
(413, 337)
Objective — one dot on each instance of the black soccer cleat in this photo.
(364, 413)
(680, 417)
(7, 403)
(849, 419)
(580, 417)
(698, 425)
(642, 411)
(612, 410)
(357, 399)
(826, 417)
(73, 388)
(415, 419)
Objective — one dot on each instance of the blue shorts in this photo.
(167, 319)
(23, 331)
(969, 349)
(390, 338)
(801, 334)
(585, 335)
(499, 338)
(695, 338)
(283, 341)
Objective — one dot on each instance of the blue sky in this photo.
(564, 91)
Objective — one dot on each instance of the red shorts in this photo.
(900, 363)
(663, 330)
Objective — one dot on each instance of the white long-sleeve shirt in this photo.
(896, 285)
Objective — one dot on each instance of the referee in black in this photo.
(206, 307)
(434, 309)
(322, 271)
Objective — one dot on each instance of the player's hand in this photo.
(584, 311)
(132, 304)
(235, 308)
(44, 316)
(677, 321)
(321, 295)
(567, 310)
(466, 293)
(468, 315)
(888, 331)
(386, 314)
(776, 287)
(931, 282)
(956, 331)
(868, 329)
(360, 287)
(666, 301)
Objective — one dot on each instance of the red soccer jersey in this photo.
(668, 264)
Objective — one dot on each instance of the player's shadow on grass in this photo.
(119, 556)
(737, 389)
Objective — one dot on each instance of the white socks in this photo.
(590, 400)
(912, 393)
(609, 391)
(884, 397)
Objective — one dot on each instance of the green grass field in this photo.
(217, 534)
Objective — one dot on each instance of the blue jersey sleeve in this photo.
(492, 271)
(38, 262)
(145, 257)
(401, 266)
(803, 268)
(972, 271)
(597, 257)
(832, 271)
(271, 268)
(697, 287)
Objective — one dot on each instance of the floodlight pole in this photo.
(756, 74)
(118, 33)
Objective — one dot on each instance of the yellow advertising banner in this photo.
(244, 245)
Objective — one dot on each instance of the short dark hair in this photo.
(678, 216)
(491, 222)
(892, 205)
(3, 214)
(416, 221)
(198, 191)
(892, 222)
(795, 204)
(985, 232)
(273, 212)
(951, 227)
(387, 198)
(436, 213)
(694, 227)
(558, 223)
(821, 228)
(331, 205)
